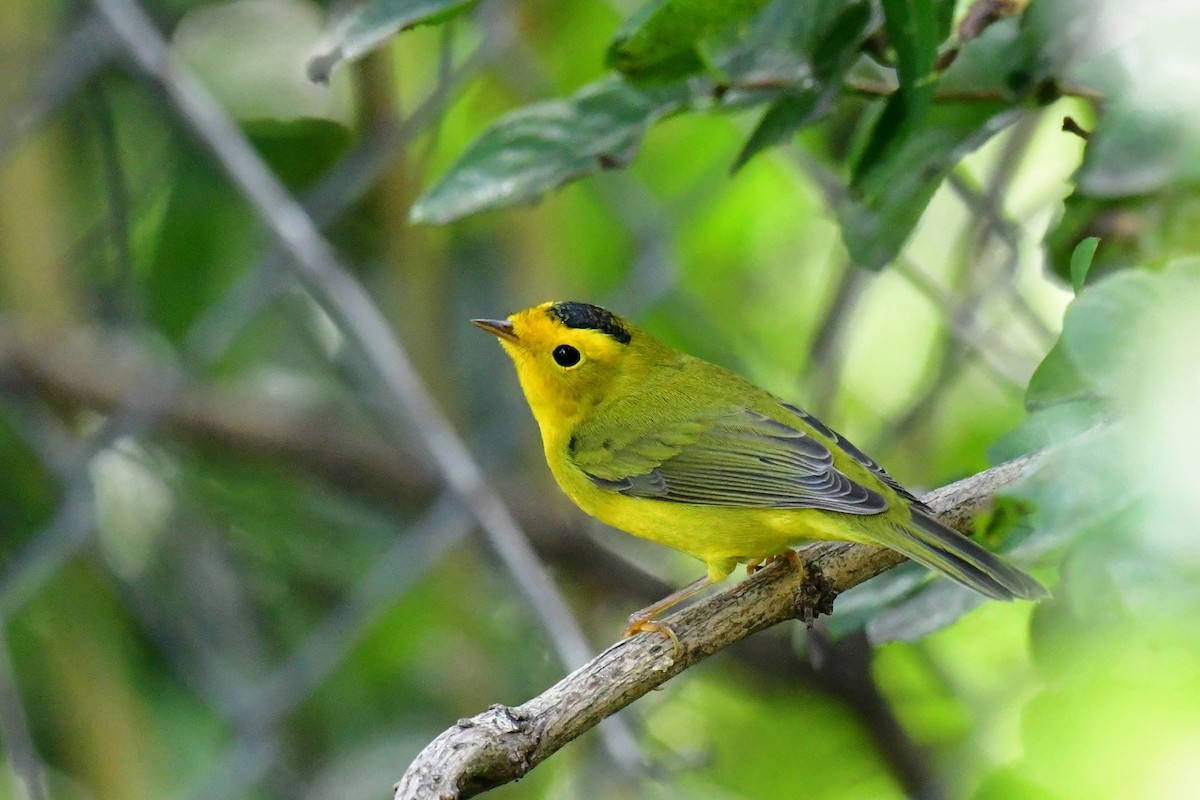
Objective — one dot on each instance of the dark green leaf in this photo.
(1081, 261)
(661, 40)
(834, 47)
(885, 204)
(202, 246)
(785, 116)
(904, 163)
(789, 47)
(916, 29)
(373, 23)
(28, 496)
(838, 43)
(540, 147)
(1141, 229)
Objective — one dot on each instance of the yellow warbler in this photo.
(682, 452)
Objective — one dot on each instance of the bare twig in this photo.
(503, 743)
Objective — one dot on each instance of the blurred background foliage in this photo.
(230, 569)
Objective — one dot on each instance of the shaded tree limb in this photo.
(503, 743)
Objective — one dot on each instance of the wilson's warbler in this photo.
(682, 452)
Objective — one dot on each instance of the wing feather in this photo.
(730, 457)
(856, 454)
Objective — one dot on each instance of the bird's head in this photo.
(569, 356)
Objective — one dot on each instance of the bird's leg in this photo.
(644, 620)
(789, 555)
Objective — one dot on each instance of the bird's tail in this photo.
(929, 542)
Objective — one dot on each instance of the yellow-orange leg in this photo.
(644, 620)
(790, 556)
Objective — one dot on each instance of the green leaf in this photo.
(1081, 261)
(1056, 380)
(202, 247)
(1140, 229)
(373, 23)
(540, 147)
(916, 28)
(789, 113)
(661, 40)
(884, 204)
(1133, 151)
(1128, 341)
(937, 605)
(834, 47)
(1080, 484)
(1107, 329)
(1049, 426)
(905, 162)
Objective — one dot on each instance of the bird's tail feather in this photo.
(929, 542)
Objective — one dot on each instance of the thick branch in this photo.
(503, 743)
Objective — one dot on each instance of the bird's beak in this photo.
(500, 327)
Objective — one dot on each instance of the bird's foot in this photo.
(789, 555)
(645, 620)
(639, 624)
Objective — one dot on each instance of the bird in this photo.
(685, 453)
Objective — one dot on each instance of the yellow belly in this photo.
(720, 536)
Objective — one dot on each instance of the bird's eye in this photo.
(565, 355)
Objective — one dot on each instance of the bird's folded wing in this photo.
(733, 457)
(856, 454)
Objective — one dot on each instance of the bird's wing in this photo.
(856, 454)
(731, 457)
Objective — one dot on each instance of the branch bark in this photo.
(503, 743)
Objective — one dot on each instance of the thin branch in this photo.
(881, 89)
(503, 743)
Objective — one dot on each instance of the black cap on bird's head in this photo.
(584, 316)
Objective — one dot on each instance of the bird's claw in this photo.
(789, 555)
(642, 625)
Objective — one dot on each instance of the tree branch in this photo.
(503, 743)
